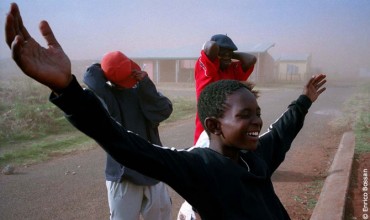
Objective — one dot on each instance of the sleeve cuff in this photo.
(66, 97)
(304, 101)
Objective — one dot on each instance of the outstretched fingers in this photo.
(319, 82)
(16, 35)
(310, 82)
(10, 28)
(319, 86)
(48, 34)
(21, 30)
(14, 26)
(320, 91)
(314, 86)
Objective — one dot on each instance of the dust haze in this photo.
(335, 33)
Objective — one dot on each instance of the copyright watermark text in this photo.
(365, 195)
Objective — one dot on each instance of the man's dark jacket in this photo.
(139, 109)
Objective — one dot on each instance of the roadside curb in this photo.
(332, 199)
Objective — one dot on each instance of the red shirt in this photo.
(207, 72)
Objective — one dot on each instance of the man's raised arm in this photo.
(50, 66)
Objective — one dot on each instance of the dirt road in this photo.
(72, 186)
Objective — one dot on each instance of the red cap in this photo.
(117, 69)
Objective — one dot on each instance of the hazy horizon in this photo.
(335, 33)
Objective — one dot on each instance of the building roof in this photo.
(294, 57)
(193, 51)
(256, 48)
(188, 51)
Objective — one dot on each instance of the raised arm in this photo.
(211, 49)
(275, 143)
(314, 88)
(247, 60)
(155, 106)
(50, 66)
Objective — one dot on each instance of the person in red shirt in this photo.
(218, 60)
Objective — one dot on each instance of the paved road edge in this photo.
(332, 199)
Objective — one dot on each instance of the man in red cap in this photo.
(132, 100)
(218, 60)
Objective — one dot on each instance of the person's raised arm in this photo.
(50, 66)
(247, 60)
(211, 49)
(277, 140)
(313, 88)
(155, 106)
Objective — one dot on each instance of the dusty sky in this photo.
(335, 32)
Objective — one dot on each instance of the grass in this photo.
(182, 109)
(356, 117)
(361, 127)
(32, 129)
(44, 148)
(312, 191)
(362, 119)
(26, 113)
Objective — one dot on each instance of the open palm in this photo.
(49, 66)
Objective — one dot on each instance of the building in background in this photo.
(291, 67)
(168, 69)
(264, 68)
(178, 66)
(180, 69)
